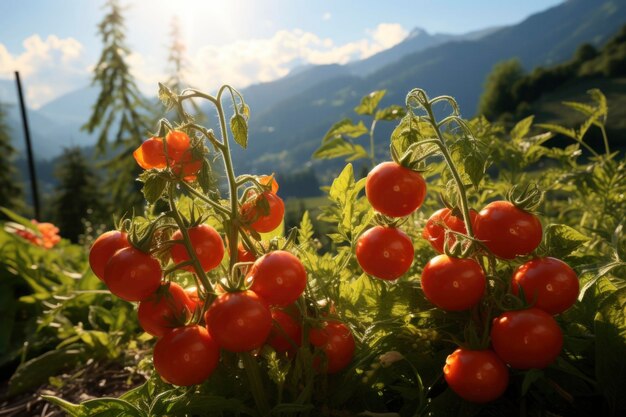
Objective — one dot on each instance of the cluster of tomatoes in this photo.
(47, 238)
(175, 152)
(522, 339)
(193, 326)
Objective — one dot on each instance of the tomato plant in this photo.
(312, 324)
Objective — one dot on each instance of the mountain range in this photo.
(289, 116)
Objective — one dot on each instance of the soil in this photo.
(93, 380)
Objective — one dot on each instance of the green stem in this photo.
(187, 240)
(452, 167)
(372, 150)
(605, 139)
(233, 231)
(256, 383)
(221, 209)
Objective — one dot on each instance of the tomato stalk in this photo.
(426, 104)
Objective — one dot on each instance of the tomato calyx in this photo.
(527, 199)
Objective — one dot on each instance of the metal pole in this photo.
(29, 149)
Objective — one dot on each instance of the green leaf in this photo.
(36, 371)
(559, 129)
(393, 112)
(370, 102)
(345, 127)
(610, 331)
(73, 410)
(561, 240)
(342, 184)
(19, 219)
(521, 129)
(239, 127)
(339, 147)
(305, 231)
(410, 130)
(153, 185)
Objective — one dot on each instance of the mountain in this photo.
(417, 41)
(285, 134)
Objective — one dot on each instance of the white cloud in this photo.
(48, 67)
(327, 16)
(389, 34)
(54, 66)
(260, 60)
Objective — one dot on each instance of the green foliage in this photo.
(120, 114)
(10, 188)
(497, 97)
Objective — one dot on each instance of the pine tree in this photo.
(10, 189)
(121, 113)
(77, 196)
(177, 61)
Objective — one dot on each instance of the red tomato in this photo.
(549, 283)
(239, 321)
(394, 190)
(186, 355)
(186, 166)
(151, 154)
(526, 339)
(478, 376)
(264, 212)
(453, 284)
(507, 230)
(442, 219)
(286, 333)
(104, 248)
(178, 144)
(337, 343)
(132, 275)
(207, 244)
(165, 310)
(384, 252)
(278, 277)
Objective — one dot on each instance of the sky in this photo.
(55, 45)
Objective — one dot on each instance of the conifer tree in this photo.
(121, 115)
(10, 189)
(77, 196)
(177, 62)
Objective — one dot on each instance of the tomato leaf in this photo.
(153, 185)
(239, 127)
(339, 147)
(390, 113)
(529, 378)
(610, 331)
(521, 129)
(345, 127)
(561, 240)
(370, 102)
